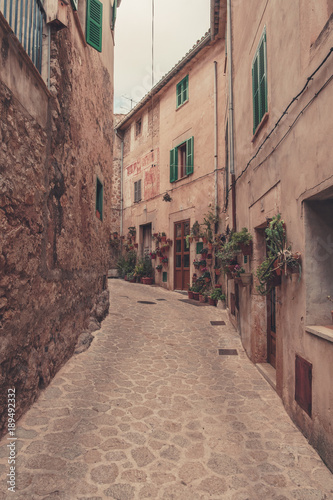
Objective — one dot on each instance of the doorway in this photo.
(181, 256)
(146, 239)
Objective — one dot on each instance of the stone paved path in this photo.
(152, 411)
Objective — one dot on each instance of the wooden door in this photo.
(271, 327)
(181, 256)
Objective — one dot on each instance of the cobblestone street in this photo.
(152, 410)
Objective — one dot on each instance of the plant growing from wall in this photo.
(280, 257)
(195, 230)
(208, 226)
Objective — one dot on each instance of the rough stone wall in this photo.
(54, 250)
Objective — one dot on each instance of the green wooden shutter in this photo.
(74, 4)
(189, 156)
(139, 190)
(135, 192)
(255, 89)
(185, 89)
(173, 165)
(263, 79)
(114, 14)
(94, 24)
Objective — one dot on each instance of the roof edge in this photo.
(205, 40)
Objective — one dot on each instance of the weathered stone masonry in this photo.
(54, 250)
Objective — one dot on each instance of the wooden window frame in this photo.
(183, 170)
(259, 83)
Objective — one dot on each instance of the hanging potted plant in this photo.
(206, 275)
(196, 264)
(243, 240)
(165, 260)
(246, 278)
(163, 237)
(152, 255)
(169, 241)
(159, 267)
(202, 264)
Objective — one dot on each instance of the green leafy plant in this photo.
(144, 267)
(132, 230)
(227, 254)
(126, 263)
(242, 237)
(195, 229)
(216, 294)
(209, 224)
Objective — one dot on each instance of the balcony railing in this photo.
(26, 18)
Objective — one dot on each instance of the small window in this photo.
(94, 24)
(181, 160)
(137, 191)
(138, 127)
(182, 91)
(165, 277)
(259, 83)
(99, 199)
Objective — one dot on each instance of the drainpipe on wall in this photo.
(48, 56)
(231, 114)
(216, 138)
(121, 181)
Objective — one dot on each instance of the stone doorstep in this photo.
(268, 372)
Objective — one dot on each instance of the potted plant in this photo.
(169, 241)
(202, 264)
(209, 224)
(243, 239)
(159, 267)
(206, 275)
(215, 295)
(152, 255)
(165, 260)
(280, 257)
(163, 237)
(132, 232)
(204, 253)
(202, 296)
(246, 278)
(209, 259)
(164, 247)
(196, 264)
(190, 292)
(227, 256)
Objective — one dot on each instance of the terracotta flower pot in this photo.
(246, 249)
(196, 295)
(210, 246)
(202, 298)
(163, 239)
(212, 302)
(217, 272)
(209, 262)
(207, 280)
(246, 278)
(190, 294)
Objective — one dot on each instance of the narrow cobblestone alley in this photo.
(152, 410)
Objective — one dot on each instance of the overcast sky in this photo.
(178, 26)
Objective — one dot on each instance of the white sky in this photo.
(178, 26)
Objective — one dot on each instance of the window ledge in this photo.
(182, 105)
(324, 332)
(260, 126)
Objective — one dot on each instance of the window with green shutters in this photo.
(99, 199)
(182, 160)
(259, 83)
(182, 91)
(94, 24)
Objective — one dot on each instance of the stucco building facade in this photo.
(56, 129)
(281, 138)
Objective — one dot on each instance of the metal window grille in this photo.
(26, 18)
